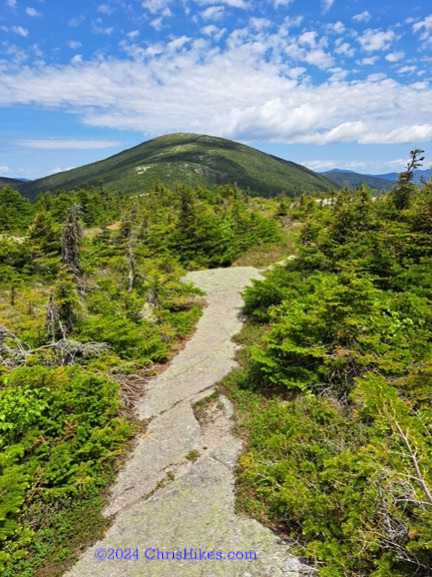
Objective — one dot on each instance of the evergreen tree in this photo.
(403, 190)
(15, 211)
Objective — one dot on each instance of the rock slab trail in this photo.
(176, 490)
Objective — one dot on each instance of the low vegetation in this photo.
(334, 389)
(91, 300)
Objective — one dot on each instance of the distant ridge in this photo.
(418, 175)
(352, 179)
(380, 182)
(187, 158)
(13, 182)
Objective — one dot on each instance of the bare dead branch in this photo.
(419, 476)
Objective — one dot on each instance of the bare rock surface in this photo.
(176, 490)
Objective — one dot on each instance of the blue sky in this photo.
(325, 83)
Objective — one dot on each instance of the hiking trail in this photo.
(176, 489)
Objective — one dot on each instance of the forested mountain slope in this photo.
(191, 159)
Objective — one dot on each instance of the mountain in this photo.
(352, 179)
(378, 181)
(188, 158)
(418, 175)
(12, 182)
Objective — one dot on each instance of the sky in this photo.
(325, 83)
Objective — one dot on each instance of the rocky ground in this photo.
(176, 490)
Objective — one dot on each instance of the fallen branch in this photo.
(65, 350)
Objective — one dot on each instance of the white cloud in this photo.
(306, 48)
(73, 44)
(376, 77)
(30, 11)
(403, 134)
(362, 17)
(105, 9)
(345, 132)
(278, 3)
(337, 27)
(326, 5)
(178, 43)
(372, 40)
(213, 31)
(4, 169)
(320, 165)
(213, 13)
(156, 6)
(324, 165)
(319, 58)
(189, 85)
(20, 31)
(426, 24)
(345, 49)
(67, 144)
(76, 21)
(369, 61)
(231, 3)
(157, 23)
(370, 167)
(133, 34)
(57, 169)
(98, 27)
(338, 74)
(308, 38)
(407, 69)
(77, 59)
(11, 3)
(394, 56)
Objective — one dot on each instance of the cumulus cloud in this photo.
(76, 21)
(73, 44)
(362, 17)
(278, 3)
(99, 28)
(133, 34)
(231, 3)
(11, 3)
(425, 24)
(425, 27)
(213, 13)
(369, 61)
(307, 48)
(30, 11)
(407, 69)
(188, 84)
(156, 6)
(372, 40)
(20, 31)
(77, 59)
(105, 9)
(395, 56)
(326, 5)
(4, 169)
(345, 49)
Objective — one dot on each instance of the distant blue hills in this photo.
(380, 182)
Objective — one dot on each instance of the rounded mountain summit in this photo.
(192, 159)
